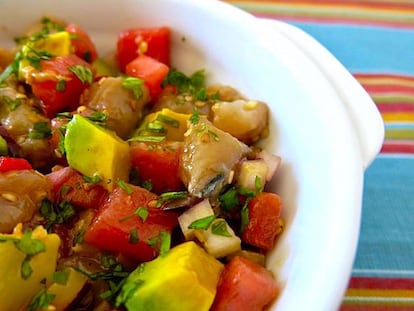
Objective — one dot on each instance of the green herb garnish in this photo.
(142, 212)
(162, 241)
(220, 228)
(61, 85)
(82, 72)
(133, 236)
(41, 301)
(147, 139)
(124, 186)
(61, 277)
(40, 130)
(229, 199)
(56, 214)
(133, 84)
(195, 117)
(95, 179)
(168, 120)
(202, 223)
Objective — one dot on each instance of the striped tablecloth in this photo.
(374, 40)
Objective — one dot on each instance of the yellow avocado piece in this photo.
(56, 44)
(67, 292)
(166, 123)
(15, 291)
(185, 279)
(96, 152)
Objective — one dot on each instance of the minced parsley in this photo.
(41, 301)
(134, 84)
(82, 72)
(40, 130)
(124, 186)
(30, 247)
(202, 223)
(220, 228)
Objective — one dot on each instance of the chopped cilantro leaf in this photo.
(220, 228)
(82, 72)
(229, 199)
(61, 85)
(61, 277)
(142, 212)
(202, 223)
(95, 179)
(124, 186)
(195, 117)
(12, 103)
(40, 130)
(133, 236)
(134, 84)
(30, 246)
(168, 120)
(244, 214)
(41, 301)
(148, 139)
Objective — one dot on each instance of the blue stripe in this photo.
(387, 228)
(367, 49)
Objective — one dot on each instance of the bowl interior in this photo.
(320, 179)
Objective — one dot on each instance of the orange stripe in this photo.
(396, 293)
(398, 117)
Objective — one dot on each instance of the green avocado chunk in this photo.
(185, 279)
(96, 152)
(27, 263)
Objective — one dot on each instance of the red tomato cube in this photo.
(263, 225)
(158, 164)
(119, 228)
(153, 42)
(152, 71)
(244, 285)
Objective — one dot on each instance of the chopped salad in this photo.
(126, 184)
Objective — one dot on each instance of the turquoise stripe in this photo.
(367, 49)
(399, 126)
(386, 243)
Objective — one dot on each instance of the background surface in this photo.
(374, 40)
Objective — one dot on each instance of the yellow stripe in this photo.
(332, 11)
(383, 296)
(386, 81)
(395, 117)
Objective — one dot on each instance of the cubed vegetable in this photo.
(185, 279)
(244, 285)
(253, 174)
(13, 164)
(263, 221)
(152, 71)
(157, 165)
(153, 42)
(96, 152)
(196, 212)
(54, 44)
(129, 223)
(82, 43)
(27, 262)
(219, 239)
(164, 123)
(69, 186)
(60, 89)
(66, 286)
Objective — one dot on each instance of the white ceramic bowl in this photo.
(323, 125)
